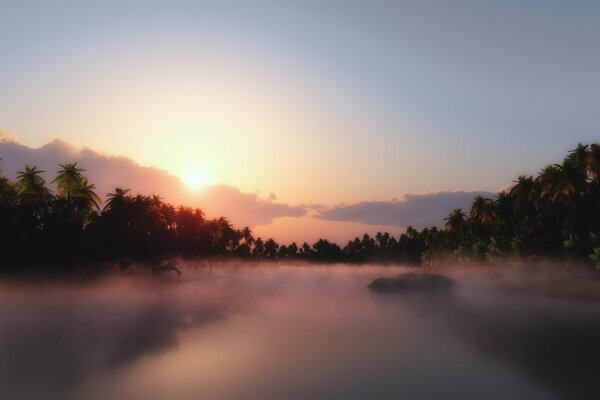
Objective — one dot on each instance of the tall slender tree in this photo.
(32, 187)
(482, 210)
(455, 222)
(68, 179)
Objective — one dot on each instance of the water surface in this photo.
(267, 332)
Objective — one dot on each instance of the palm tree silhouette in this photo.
(525, 194)
(115, 199)
(271, 249)
(85, 196)
(579, 154)
(562, 181)
(563, 185)
(68, 179)
(259, 248)
(8, 192)
(455, 222)
(383, 240)
(32, 187)
(482, 210)
(246, 234)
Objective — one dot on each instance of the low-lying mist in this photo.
(276, 331)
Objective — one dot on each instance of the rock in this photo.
(412, 283)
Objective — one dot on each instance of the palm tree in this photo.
(85, 196)
(169, 215)
(244, 249)
(115, 199)
(368, 245)
(246, 234)
(383, 240)
(504, 205)
(68, 179)
(188, 227)
(482, 210)
(229, 237)
(292, 250)
(525, 193)
(505, 215)
(271, 249)
(221, 235)
(549, 180)
(455, 222)
(8, 192)
(411, 233)
(562, 181)
(32, 187)
(259, 248)
(563, 186)
(579, 155)
(306, 250)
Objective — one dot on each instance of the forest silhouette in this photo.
(555, 215)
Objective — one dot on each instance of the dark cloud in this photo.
(107, 172)
(418, 210)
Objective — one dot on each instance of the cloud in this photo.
(7, 136)
(108, 171)
(418, 210)
(337, 222)
(506, 187)
(246, 207)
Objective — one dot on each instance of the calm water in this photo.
(290, 333)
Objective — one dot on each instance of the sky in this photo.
(312, 102)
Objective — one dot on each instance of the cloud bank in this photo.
(418, 210)
(108, 171)
(269, 217)
(239, 206)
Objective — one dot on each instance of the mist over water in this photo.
(290, 332)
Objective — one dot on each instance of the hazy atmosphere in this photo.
(271, 333)
(294, 200)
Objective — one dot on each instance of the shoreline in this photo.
(545, 279)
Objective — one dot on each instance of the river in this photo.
(269, 331)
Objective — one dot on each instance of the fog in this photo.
(276, 331)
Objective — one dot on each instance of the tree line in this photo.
(555, 214)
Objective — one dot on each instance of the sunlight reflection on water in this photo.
(289, 333)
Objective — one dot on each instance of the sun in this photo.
(195, 179)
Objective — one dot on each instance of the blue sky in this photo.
(322, 102)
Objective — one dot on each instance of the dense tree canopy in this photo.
(555, 214)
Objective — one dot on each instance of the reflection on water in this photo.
(290, 333)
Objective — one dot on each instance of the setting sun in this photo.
(195, 179)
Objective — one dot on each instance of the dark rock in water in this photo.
(124, 265)
(412, 283)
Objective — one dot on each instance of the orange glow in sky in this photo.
(195, 179)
